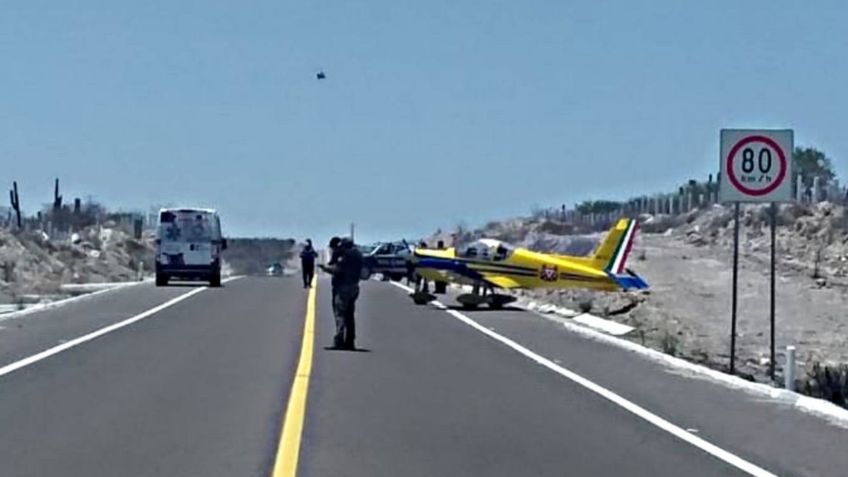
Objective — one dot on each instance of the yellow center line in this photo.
(285, 464)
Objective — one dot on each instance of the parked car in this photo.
(274, 270)
(388, 259)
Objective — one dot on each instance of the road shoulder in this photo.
(743, 423)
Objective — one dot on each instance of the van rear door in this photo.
(189, 238)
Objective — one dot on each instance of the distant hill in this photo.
(250, 256)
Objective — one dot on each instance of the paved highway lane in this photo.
(196, 389)
(201, 387)
(431, 396)
(775, 434)
(33, 332)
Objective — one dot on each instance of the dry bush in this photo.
(669, 342)
(828, 382)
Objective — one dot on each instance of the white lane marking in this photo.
(58, 303)
(607, 326)
(12, 367)
(633, 408)
(820, 408)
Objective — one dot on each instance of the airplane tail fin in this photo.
(611, 254)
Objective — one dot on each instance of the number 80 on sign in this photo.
(756, 165)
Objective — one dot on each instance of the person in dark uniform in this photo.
(421, 283)
(307, 263)
(410, 271)
(334, 257)
(346, 271)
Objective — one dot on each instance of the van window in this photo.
(188, 227)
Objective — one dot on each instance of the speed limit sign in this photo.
(756, 165)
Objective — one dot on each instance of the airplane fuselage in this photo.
(524, 269)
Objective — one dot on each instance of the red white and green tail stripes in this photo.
(625, 243)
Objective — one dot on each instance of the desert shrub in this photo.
(669, 342)
(828, 382)
(556, 228)
(250, 256)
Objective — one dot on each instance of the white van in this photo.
(189, 245)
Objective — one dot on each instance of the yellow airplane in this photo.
(488, 264)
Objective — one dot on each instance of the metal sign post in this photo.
(735, 279)
(755, 166)
(771, 293)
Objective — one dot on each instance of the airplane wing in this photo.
(502, 282)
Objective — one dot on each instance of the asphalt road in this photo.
(201, 387)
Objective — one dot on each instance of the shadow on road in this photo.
(355, 350)
(188, 285)
(484, 309)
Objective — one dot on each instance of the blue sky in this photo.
(432, 112)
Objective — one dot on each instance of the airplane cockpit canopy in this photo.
(486, 249)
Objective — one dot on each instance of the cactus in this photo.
(58, 217)
(57, 199)
(8, 271)
(16, 202)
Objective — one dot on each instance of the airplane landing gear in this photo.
(470, 301)
(422, 298)
(481, 295)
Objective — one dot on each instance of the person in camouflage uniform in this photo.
(346, 268)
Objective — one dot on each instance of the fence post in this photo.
(789, 369)
(816, 190)
(833, 192)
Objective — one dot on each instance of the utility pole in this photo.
(351, 231)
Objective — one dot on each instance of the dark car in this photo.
(388, 259)
(274, 270)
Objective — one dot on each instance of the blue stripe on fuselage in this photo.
(493, 264)
(465, 269)
(449, 265)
